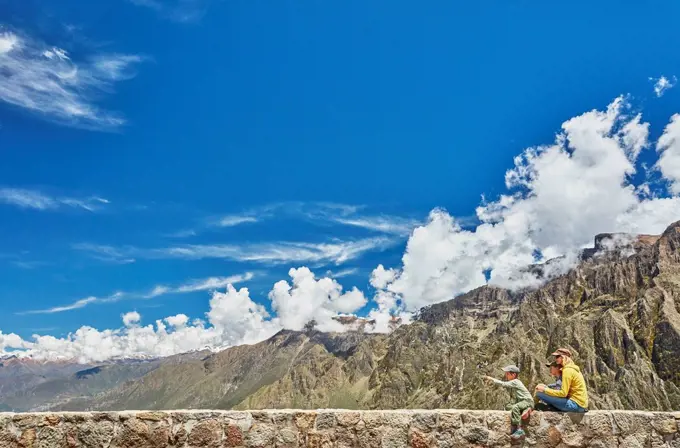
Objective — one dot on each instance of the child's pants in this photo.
(517, 409)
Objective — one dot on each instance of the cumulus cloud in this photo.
(12, 341)
(558, 197)
(662, 84)
(668, 147)
(45, 80)
(131, 318)
(233, 318)
(37, 200)
(309, 299)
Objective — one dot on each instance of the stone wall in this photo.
(334, 428)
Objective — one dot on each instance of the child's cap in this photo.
(552, 364)
(511, 368)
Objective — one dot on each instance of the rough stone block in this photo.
(94, 434)
(233, 436)
(260, 436)
(305, 420)
(207, 434)
(348, 418)
(325, 420)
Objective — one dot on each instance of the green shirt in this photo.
(517, 389)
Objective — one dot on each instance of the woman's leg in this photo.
(559, 403)
(573, 407)
(562, 404)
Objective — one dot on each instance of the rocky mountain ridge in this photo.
(618, 310)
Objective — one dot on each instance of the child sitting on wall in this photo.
(522, 402)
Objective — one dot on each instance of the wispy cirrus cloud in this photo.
(342, 273)
(319, 213)
(104, 253)
(235, 220)
(280, 252)
(80, 303)
(23, 264)
(37, 200)
(336, 252)
(183, 11)
(384, 224)
(205, 284)
(43, 79)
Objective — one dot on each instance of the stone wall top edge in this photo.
(315, 411)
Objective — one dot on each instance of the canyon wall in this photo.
(334, 428)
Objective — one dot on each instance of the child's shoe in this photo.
(517, 434)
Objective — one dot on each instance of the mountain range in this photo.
(618, 310)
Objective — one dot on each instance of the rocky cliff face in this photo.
(618, 313)
(618, 310)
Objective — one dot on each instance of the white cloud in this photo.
(183, 11)
(45, 80)
(662, 84)
(22, 264)
(177, 321)
(559, 196)
(235, 220)
(318, 213)
(157, 291)
(81, 303)
(183, 233)
(37, 200)
(12, 340)
(668, 147)
(131, 318)
(337, 252)
(210, 283)
(381, 277)
(342, 273)
(233, 318)
(105, 253)
(385, 224)
(311, 299)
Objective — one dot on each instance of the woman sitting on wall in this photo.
(573, 396)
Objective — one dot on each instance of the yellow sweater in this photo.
(573, 386)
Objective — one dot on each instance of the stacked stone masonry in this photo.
(334, 428)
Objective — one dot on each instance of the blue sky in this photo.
(201, 139)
